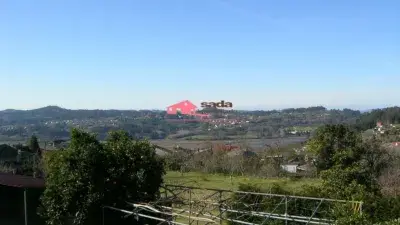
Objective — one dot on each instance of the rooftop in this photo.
(20, 181)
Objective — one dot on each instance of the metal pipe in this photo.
(263, 194)
(203, 219)
(286, 211)
(25, 208)
(279, 216)
(303, 219)
(142, 215)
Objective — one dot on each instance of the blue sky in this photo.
(152, 53)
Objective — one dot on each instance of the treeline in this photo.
(368, 120)
(23, 159)
(54, 122)
(12, 117)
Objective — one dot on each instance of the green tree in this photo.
(392, 222)
(89, 174)
(34, 144)
(335, 144)
(356, 169)
(351, 169)
(179, 114)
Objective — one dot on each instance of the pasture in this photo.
(218, 181)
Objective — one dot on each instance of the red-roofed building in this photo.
(184, 107)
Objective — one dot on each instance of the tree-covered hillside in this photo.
(389, 115)
(53, 122)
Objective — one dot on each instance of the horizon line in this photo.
(238, 108)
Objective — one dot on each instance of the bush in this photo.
(220, 161)
(392, 222)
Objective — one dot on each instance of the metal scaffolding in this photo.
(182, 205)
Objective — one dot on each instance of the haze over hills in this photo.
(362, 108)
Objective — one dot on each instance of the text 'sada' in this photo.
(221, 104)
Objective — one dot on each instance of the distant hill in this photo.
(55, 112)
(366, 110)
(53, 122)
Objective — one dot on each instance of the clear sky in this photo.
(130, 54)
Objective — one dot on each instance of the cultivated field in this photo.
(253, 143)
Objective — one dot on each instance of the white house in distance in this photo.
(291, 168)
(296, 167)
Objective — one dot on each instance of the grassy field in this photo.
(202, 202)
(227, 183)
(368, 133)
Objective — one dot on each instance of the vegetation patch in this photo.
(220, 181)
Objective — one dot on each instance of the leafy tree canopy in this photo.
(89, 174)
(34, 144)
(335, 144)
(350, 168)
